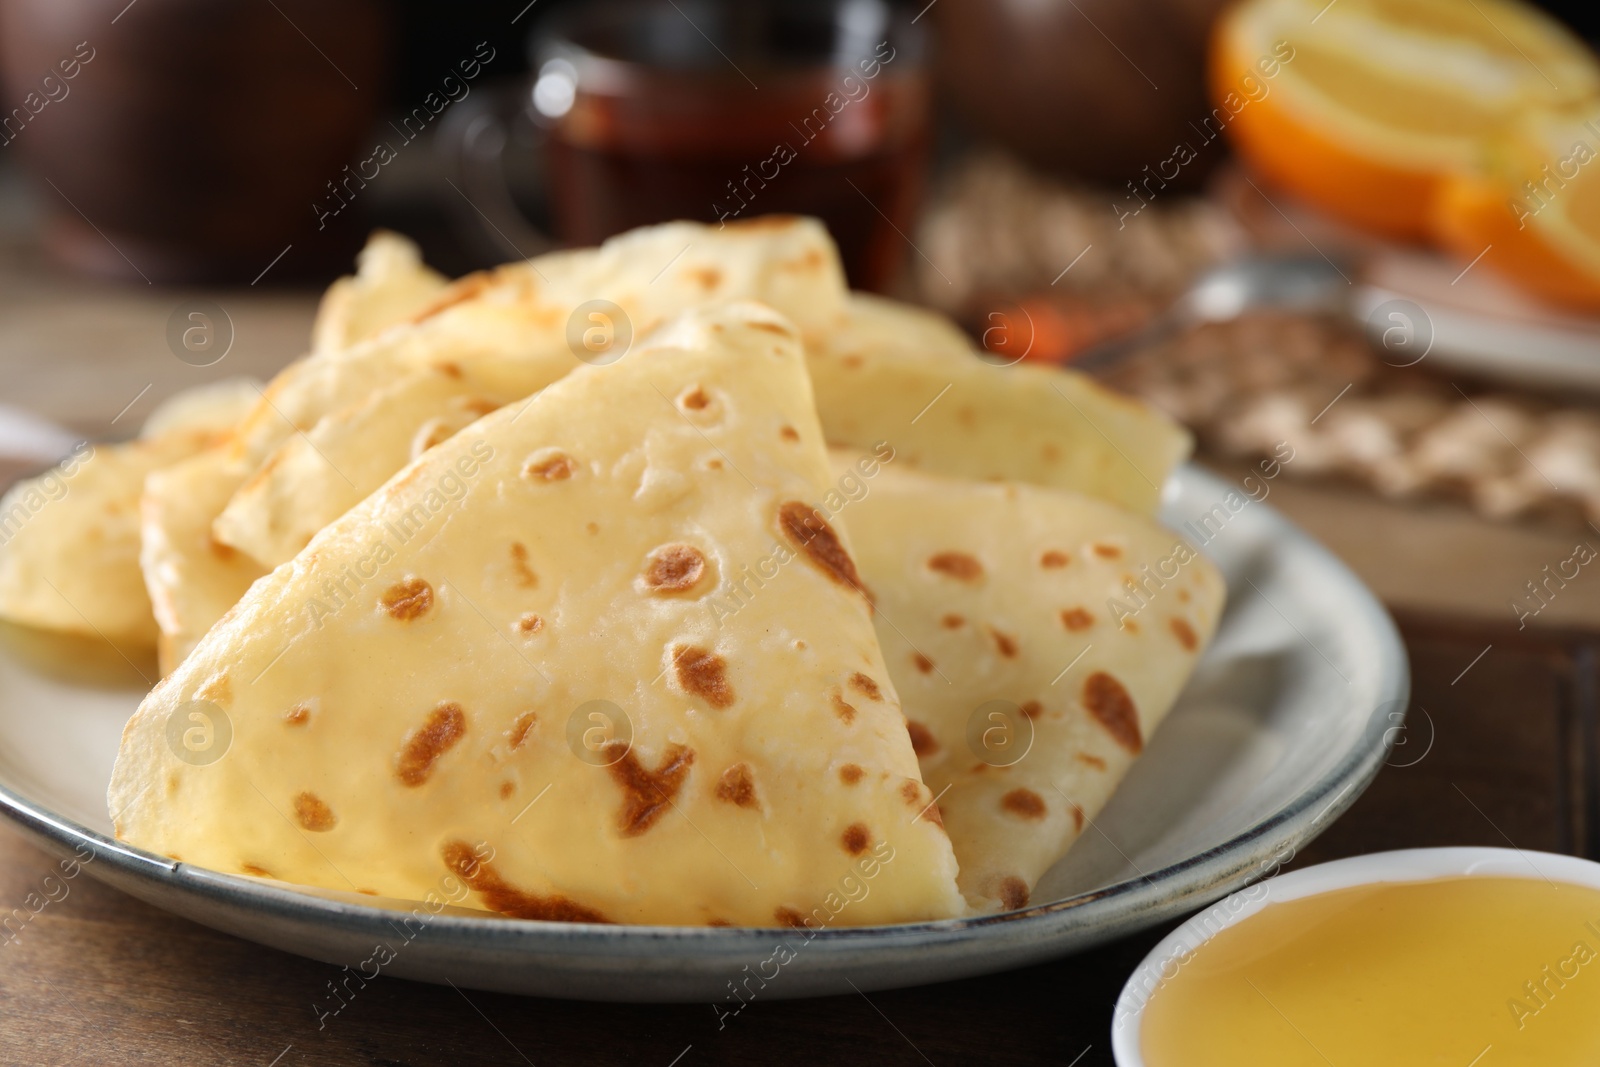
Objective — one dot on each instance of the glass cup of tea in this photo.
(645, 111)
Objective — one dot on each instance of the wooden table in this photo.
(1508, 728)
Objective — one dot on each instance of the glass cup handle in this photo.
(473, 141)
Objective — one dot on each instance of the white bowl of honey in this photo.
(1469, 957)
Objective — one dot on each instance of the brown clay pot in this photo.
(187, 140)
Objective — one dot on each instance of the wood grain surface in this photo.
(1500, 751)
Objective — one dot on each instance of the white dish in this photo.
(1288, 717)
(1409, 865)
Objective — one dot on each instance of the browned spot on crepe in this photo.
(957, 565)
(1128, 625)
(1024, 803)
(850, 774)
(1113, 708)
(770, 327)
(549, 468)
(452, 370)
(647, 794)
(1091, 761)
(789, 433)
(444, 727)
(1185, 634)
(852, 361)
(1032, 709)
(718, 922)
(521, 727)
(922, 739)
(703, 674)
(502, 897)
(1183, 595)
(737, 787)
(506, 789)
(856, 838)
(313, 813)
(519, 563)
(1076, 619)
(1054, 560)
(1013, 893)
(408, 599)
(530, 624)
(952, 622)
(694, 399)
(789, 917)
(224, 552)
(844, 709)
(1077, 818)
(864, 685)
(707, 277)
(1105, 551)
(674, 568)
(259, 872)
(1004, 642)
(924, 664)
(298, 715)
(803, 525)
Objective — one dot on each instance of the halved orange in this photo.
(1366, 107)
(1533, 211)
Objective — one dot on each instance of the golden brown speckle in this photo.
(647, 794)
(789, 433)
(298, 715)
(923, 663)
(703, 674)
(313, 814)
(789, 917)
(1024, 804)
(1091, 761)
(422, 748)
(958, 565)
(952, 622)
(844, 709)
(1113, 708)
(1185, 634)
(548, 465)
(1054, 559)
(737, 786)
(506, 789)
(500, 896)
(923, 743)
(521, 727)
(519, 563)
(1105, 551)
(674, 568)
(856, 838)
(1032, 709)
(864, 685)
(810, 532)
(1076, 619)
(1004, 643)
(252, 869)
(529, 624)
(1014, 893)
(694, 399)
(850, 774)
(408, 599)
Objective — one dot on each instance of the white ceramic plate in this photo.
(1287, 719)
(1407, 865)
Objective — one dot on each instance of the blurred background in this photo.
(1365, 227)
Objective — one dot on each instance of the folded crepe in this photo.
(69, 538)
(501, 668)
(514, 325)
(391, 284)
(1037, 638)
(898, 373)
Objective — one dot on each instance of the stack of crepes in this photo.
(663, 582)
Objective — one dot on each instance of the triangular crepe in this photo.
(413, 699)
(69, 538)
(899, 373)
(512, 322)
(1037, 638)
